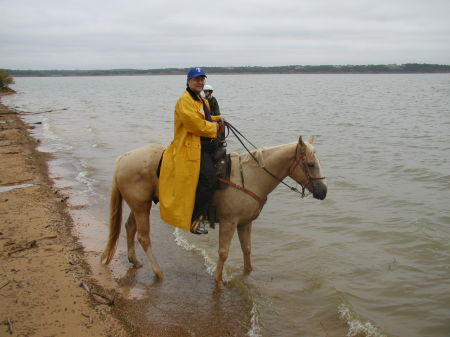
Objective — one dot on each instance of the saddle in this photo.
(222, 164)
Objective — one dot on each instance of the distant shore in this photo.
(409, 68)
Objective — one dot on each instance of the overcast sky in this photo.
(143, 34)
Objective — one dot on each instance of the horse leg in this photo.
(226, 232)
(130, 226)
(244, 233)
(142, 217)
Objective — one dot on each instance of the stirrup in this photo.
(198, 227)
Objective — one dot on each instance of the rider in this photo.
(187, 180)
(208, 90)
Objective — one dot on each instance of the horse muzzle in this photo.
(319, 190)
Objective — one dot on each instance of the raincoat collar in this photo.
(193, 94)
(205, 108)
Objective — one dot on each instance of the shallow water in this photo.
(370, 260)
(13, 187)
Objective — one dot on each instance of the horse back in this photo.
(136, 172)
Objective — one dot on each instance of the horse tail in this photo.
(115, 221)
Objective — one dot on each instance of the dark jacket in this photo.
(215, 110)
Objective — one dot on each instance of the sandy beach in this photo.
(42, 263)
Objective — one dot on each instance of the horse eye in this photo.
(311, 165)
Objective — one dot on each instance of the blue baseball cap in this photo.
(195, 72)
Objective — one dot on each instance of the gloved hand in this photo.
(221, 129)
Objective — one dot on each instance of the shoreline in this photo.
(42, 262)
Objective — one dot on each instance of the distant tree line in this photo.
(292, 69)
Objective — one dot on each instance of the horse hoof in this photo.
(137, 264)
(159, 274)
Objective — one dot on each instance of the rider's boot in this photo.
(198, 227)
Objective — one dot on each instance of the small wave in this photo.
(50, 132)
(255, 330)
(88, 167)
(49, 129)
(357, 326)
(83, 178)
(209, 263)
(92, 129)
(99, 146)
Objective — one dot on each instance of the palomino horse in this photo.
(135, 180)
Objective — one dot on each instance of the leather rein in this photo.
(300, 161)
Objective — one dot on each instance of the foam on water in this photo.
(83, 178)
(255, 330)
(209, 263)
(50, 133)
(357, 326)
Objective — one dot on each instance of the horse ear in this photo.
(300, 140)
(312, 139)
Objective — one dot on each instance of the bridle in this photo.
(299, 160)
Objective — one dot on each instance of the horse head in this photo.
(305, 169)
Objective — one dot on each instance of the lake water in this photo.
(371, 260)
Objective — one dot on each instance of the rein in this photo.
(297, 162)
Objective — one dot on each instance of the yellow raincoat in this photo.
(180, 167)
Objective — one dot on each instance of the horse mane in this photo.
(247, 158)
(258, 154)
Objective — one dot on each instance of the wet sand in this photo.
(43, 263)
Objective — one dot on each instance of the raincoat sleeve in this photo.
(194, 120)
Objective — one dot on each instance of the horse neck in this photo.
(277, 160)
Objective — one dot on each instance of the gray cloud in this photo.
(173, 33)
